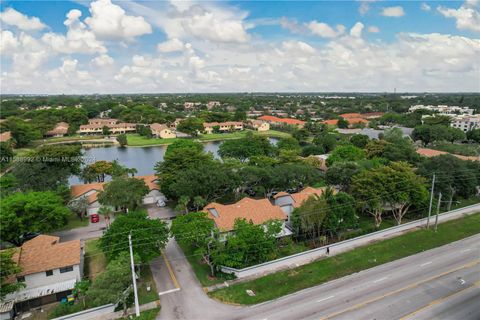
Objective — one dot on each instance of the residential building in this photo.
(103, 121)
(175, 123)
(257, 211)
(117, 128)
(60, 130)
(90, 191)
(162, 131)
(5, 136)
(49, 270)
(466, 122)
(276, 121)
(351, 121)
(373, 133)
(289, 201)
(259, 125)
(223, 126)
(213, 104)
(443, 109)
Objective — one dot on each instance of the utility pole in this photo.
(431, 200)
(137, 308)
(438, 210)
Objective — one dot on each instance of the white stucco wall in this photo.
(40, 279)
(153, 196)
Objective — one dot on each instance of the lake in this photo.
(141, 158)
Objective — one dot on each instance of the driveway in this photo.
(164, 213)
(93, 230)
(190, 302)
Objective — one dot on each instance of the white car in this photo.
(161, 203)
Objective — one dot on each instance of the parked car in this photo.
(27, 236)
(161, 203)
(94, 218)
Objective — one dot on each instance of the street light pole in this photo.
(438, 210)
(137, 308)
(431, 200)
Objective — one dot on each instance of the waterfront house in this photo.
(162, 131)
(223, 126)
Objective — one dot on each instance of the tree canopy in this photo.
(148, 236)
(123, 192)
(31, 212)
(245, 148)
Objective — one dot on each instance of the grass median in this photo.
(285, 282)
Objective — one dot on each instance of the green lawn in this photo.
(95, 260)
(135, 140)
(201, 269)
(146, 279)
(282, 283)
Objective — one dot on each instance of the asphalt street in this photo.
(441, 283)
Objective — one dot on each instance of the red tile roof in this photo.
(257, 211)
(282, 120)
(350, 115)
(302, 196)
(433, 153)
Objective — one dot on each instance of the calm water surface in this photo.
(141, 158)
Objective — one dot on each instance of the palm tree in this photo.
(106, 212)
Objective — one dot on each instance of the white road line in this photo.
(381, 279)
(329, 297)
(425, 264)
(168, 291)
(466, 250)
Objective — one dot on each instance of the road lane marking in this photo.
(435, 302)
(329, 297)
(170, 271)
(425, 264)
(466, 250)
(168, 291)
(380, 280)
(410, 286)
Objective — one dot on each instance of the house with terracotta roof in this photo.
(49, 270)
(227, 126)
(60, 130)
(5, 136)
(289, 201)
(117, 128)
(351, 121)
(276, 121)
(162, 131)
(90, 191)
(258, 211)
(429, 153)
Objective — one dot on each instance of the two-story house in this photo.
(162, 131)
(49, 270)
(223, 126)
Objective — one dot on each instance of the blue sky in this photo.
(189, 46)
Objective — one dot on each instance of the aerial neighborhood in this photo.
(240, 192)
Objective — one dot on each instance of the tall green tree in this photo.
(125, 193)
(191, 126)
(245, 148)
(31, 212)
(8, 270)
(248, 245)
(149, 236)
(345, 153)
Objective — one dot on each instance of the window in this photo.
(21, 279)
(49, 273)
(66, 269)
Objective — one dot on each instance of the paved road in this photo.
(93, 230)
(441, 283)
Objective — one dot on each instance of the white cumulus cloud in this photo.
(14, 18)
(324, 30)
(395, 12)
(467, 16)
(109, 21)
(171, 45)
(357, 29)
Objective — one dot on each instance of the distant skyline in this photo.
(103, 46)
